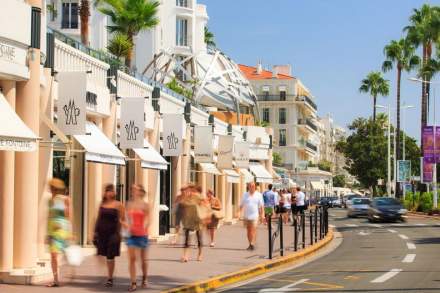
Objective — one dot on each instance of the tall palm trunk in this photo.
(423, 102)
(428, 79)
(84, 14)
(374, 107)
(129, 57)
(397, 146)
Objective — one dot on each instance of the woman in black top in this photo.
(107, 238)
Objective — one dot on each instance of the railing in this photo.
(308, 122)
(307, 100)
(311, 146)
(278, 98)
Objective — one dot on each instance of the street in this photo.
(383, 257)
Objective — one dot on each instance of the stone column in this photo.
(186, 156)
(154, 179)
(7, 160)
(228, 199)
(201, 180)
(26, 165)
(109, 127)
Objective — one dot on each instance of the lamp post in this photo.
(403, 137)
(389, 148)
(434, 179)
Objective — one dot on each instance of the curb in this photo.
(422, 215)
(252, 271)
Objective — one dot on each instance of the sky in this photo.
(330, 44)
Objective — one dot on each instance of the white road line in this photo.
(421, 224)
(375, 225)
(392, 231)
(386, 276)
(409, 258)
(286, 288)
(403, 236)
(397, 225)
(351, 225)
(362, 233)
(410, 245)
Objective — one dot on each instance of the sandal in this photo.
(109, 283)
(132, 287)
(52, 285)
(144, 282)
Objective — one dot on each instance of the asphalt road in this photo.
(384, 257)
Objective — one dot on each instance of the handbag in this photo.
(74, 255)
(218, 214)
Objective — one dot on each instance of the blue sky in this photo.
(331, 45)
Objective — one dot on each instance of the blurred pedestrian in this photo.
(270, 198)
(107, 238)
(286, 205)
(138, 221)
(300, 200)
(58, 225)
(217, 215)
(251, 209)
(178, 216)
(293, 207)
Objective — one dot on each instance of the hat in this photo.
(57, 183)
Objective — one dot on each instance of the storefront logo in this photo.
(132, 130)
(7, 52)
(172, 141)
(72, 112)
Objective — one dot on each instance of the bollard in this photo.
(295, 233)
(269, 228)
(311, 228)
(316, 224)
(281, 236)
(320, 222)
(326, 221)
(303, 229)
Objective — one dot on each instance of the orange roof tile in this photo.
(251, 73)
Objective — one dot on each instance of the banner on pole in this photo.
(241, 154)
(132, 123)
(431, 154)
(427, 171)
(403, 171)
(225, 152)
(72, 102)
(203, 149)
(172, 134)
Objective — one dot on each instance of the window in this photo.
(181, 32)
(282, 116)
(282, 138)
(266, 117)
(69, 15)
(182, 3)
(282, 95)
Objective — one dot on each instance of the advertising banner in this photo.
(403, 171)
(203, 149)
(172, 134)
(431, 145)
(241, 154)
(132, 123)
(427, 171)
(72, 102)
(225, 151)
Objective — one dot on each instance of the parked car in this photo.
(348, 198)
(336, 202)
(358, 207)
(386, 209)
(325, 201)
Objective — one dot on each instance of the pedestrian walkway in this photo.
(165, 269)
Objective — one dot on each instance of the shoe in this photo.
(249, 247)
(252, 247)
(212, 244)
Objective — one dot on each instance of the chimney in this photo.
(259, 67)
(275, 72)
(284, 69)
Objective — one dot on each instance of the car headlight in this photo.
(403, 211)
(376, 211)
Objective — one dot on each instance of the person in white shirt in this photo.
(300, 200)
(251, 210)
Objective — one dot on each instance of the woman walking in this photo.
(58, 225)
(216, 208)
(138, 213)
(107, 237)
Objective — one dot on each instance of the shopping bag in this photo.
(74, 255)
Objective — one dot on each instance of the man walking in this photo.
(270, 198)
(300, 200)
(251, 209)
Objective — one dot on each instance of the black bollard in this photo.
(303, 229)
(295, 233)
(316, 224)
(269, 229)
(281, 236)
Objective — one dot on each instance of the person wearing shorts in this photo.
(270, 198)
(251, 209)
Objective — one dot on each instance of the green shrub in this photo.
(418, 202)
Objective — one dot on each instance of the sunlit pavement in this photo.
(378, 257)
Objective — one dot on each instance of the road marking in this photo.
(392, 231)
(421, 224)
(362, 233)
(323, 286)
(411, 245)
(385, 277)
(397, 225)
(351, 225)
(403, 236)
(409, 258)
(375, 225)
(286, 288)
(351, 278)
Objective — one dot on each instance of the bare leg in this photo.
(132, 266)
(200, 244)
(212, 235)
(54, 264)
(144, 264)
(110, 268)
(185, 247)
(249, 233)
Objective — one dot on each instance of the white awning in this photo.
(231, 176)
(260, 172)
(15, 135)
(292, 183)
(258, 153)
(316, 185)
(150, 158)
(209, 168)
(98, 147)
(248, 177)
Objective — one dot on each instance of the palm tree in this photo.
(119, 46)
(401, 54)
(209, 38)
(130, 17)
(84, 15)
(375, 85)
(424, 30)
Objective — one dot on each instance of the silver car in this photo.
(359, 207)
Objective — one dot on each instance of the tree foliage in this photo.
(375, 85)
(277, 159)
(120, 45)
(209, 38)
(339, 181)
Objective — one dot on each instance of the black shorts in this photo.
(300, 209)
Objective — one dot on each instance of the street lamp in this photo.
(403, 137)
(389, 148)
(434, 184)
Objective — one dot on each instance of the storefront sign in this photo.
(132, 123)
(241, 154)
(72, 102)
(403, 171)
(225, 151)
(7, 52)
(203, 149)
(172, 134)
(17, 144)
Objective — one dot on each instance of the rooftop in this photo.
(251, 73)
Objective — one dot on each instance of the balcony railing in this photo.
(311, 146)
(308, 122)
(276, 98)
(307, 100)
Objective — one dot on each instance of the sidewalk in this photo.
(165, 269)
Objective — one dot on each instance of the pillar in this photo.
(153, 186)
(108, 128)
(186, 156)
(93, 197)
(7, 160)
(237, 197)
(201, 180)
(228, 199)
(26, 165)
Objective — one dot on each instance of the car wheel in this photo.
(370, 220)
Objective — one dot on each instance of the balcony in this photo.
(307, 125)
(307, 101)
(311, 146)
(276, 98)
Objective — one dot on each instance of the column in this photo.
(201, 180)
(93, 197)
(228, 199)
(108, 127)
(7, 160)
(153, 187)
(186, 156)
(26, 165)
